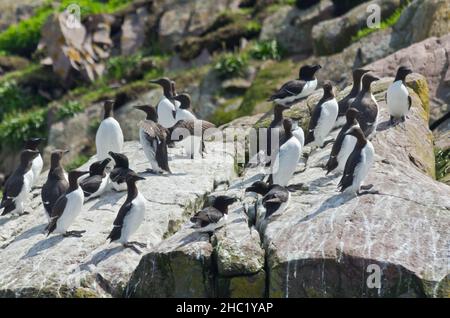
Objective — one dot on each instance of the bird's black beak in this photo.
(140, 107)
(66, 151)
(140, 178)
(250, 189)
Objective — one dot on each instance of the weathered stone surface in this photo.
(430, 58)
(332, 36)
(13, 11)
(35, 265)
(134, 31)
(291, 27)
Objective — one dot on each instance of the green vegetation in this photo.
(17, 127)
(442, 163)
(14, 98)
(266, 50)
(231, 65)
(384, 24)
(77, 162)
(119, 67)
(69, 109)
(22, 38)
(253, 26)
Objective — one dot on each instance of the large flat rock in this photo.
(35, 265)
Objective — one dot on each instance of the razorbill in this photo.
(67, 208)
(153, 138)
(212, 214)
(183, 112)
(397, 96)
(130, 216)
(344, 144)
(287, 157)
(275, 129)
(95, 184)
(367, 106)
(120, 171)
(109, 135)
(166, 108)
(56, 184)
(18, 185)
(323, 117)
(358, 163)
(345, 102)
(191, 134)
(37, 163)
(295, 90)
(275, 197)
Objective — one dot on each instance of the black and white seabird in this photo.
(275, 197)
(109, 135)
(37, 163)
(295, 90)
(297, 131)
(323, 117)
(56, 184)
(174, 94)
(367, 106)
(191, 134)
(345, 102)
(213, 214)
(358, 163)
(95, 184)
(18, 185)
(286, 160)
(67, 208)
(166, 109)
(120, 171)
(344, 144)
(183, 112)
(153, 138)
(398, 99)
(130, 216)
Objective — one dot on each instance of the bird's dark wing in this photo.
(289, 89)
(118, 222)
(91, 184)
(313, 123)
(276, 196)
(119, 175)
(150, 128)
(347, 178)
(50, 197)
(332, 161)
(191, 124)
(409, 102)
(206, 216)
(13, 186)
(162, 157)
(57, 211)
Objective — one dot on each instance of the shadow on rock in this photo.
(38, 229)
(43, 245)
(101, 256)
(331, 203)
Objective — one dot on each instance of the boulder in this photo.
(291, 27)
(34, 265)
(134, 29)
(332, 36)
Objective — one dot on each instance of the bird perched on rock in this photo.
(130, 216)
(153, 138)
(120, 171)
(95, 184)
(67, 208)
(323, 117)
(109, 135)
(213, 214)
(56, 184)
(275, 197)
(344, 144)
(358, 163)
(297, 131)
(286, 160)
(166, 109)
(398, 99)
(367, 106)
(345, 102)
(18, 185)
(295, 90)
(183, 112)
(37, 163)
(191, 134)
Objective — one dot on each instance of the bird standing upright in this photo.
(109, 135)
(95, 184)
(323, 117)
(56, 184)
(398, 99)
(153, 138)
(130, 216)
(119, 173)
(18, 185)
(183, 112)
(67, 208)
(37, 163)
(166, 109)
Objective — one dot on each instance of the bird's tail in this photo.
(331, 164)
